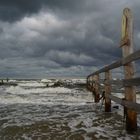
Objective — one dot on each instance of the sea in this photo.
(58, 109)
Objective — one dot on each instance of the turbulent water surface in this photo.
(40, 110)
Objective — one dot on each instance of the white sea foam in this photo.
(46, 80)
(45, 95)
(12, 80)
(32, 84)
(81, 81)
(21, 90)
(23, 94)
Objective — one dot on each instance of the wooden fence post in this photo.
(93, 84)
(97, 95)
(93, 87)
(107, 91)
(87, 85)
(127, 49)
(97, 88)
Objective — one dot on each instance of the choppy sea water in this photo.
(33, 110)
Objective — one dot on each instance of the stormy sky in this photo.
(61, 38)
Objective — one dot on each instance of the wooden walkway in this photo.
(129, 82)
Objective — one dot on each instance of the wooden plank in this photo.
(96, 92)
(128, 104)
(127, 49)
(115, 82)
(126, 82)
(132, 57)
(109, 67)
(131, 82)
(107, 92)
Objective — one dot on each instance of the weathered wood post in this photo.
(93, 81)
(127, 49)
(93, 86)
(107, 91)
(97, 95)
(87, 85)
(90, 83)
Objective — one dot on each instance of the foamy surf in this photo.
(31, 110)
(36, 92)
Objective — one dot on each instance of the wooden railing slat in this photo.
(130, 105)
(132, 82)
(132, 57)
(124, 82)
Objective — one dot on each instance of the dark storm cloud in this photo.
(61, 37)
(12, 10)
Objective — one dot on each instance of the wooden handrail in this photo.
(130, 58)
(125, 82)
(128, 104)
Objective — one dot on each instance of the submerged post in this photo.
(107, 91)
(97, 96)
(87, 84)
(127, 49)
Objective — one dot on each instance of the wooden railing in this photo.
(129, 82)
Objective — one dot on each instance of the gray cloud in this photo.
(71, 38)
(67, 58)
(16, 9)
